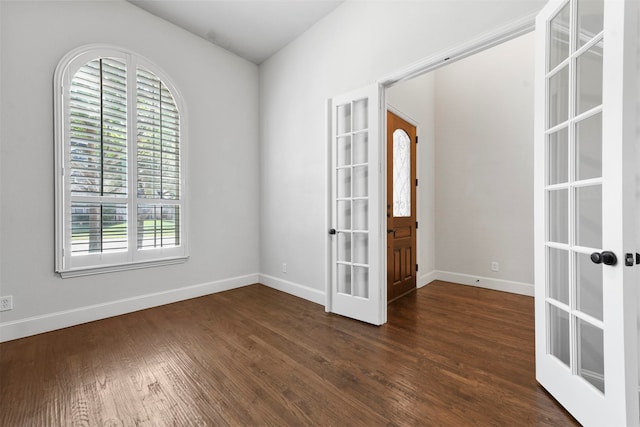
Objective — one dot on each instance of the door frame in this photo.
(476, 45)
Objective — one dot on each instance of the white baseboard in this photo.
(425, 279)
(485, 282)
(292, 288)
(63, 319)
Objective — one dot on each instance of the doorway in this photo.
(401, 206)
(474, 167)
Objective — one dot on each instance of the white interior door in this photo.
(356, 261)
(586, 304)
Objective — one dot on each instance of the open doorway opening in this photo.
(475, 167)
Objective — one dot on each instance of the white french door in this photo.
(357, 258)
(585, 296)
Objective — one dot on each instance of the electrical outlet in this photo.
(284, 267)
(6, 303)
(495, 266)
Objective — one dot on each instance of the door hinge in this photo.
(416, 267)
(416, 182)
(416, 139)
(416, 225)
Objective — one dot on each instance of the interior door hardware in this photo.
(604, 257)
(332, 231)
(629, 260)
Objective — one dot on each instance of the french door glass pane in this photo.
(589, 147)
(344, 279)
(360, 214)
(344, 151)
(559, 338)
(360, 148)
(558, 157)
(559, 275)
(343, 118)
(591, 351)
(589, 286)
(590, 20)
(360, 181)
(559, 216)
(360, 115)
(559, 38)
(361, 282)
(361, 248)
(343, 182)
(559, 97)
(344, 247)
(589, 216)
(344, 214)
(589, 69)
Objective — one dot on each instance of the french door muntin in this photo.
(356, 259)
(586, 352)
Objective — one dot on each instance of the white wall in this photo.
(484, 163)
(357, 44)
(221, 96)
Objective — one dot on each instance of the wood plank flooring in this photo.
(450, 355)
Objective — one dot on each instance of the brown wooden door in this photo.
(401, 207)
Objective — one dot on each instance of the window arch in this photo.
(120, 163)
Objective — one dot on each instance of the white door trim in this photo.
(476, 45)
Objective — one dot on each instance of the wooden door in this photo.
(586, 279)
(401, 207)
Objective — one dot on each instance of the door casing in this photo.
(431, 63)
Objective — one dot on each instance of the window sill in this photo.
(89, 271)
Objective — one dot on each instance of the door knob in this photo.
(605, 257)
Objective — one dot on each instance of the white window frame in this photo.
(133, 258)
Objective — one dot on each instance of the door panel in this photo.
(356, 261)
(401, 207)
(586, 335)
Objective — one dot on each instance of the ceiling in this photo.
(252, 29)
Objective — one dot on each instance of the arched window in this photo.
(120, 164)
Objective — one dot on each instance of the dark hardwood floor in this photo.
(450, 355)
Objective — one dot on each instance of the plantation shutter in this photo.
(158, 162)
(98, 156)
